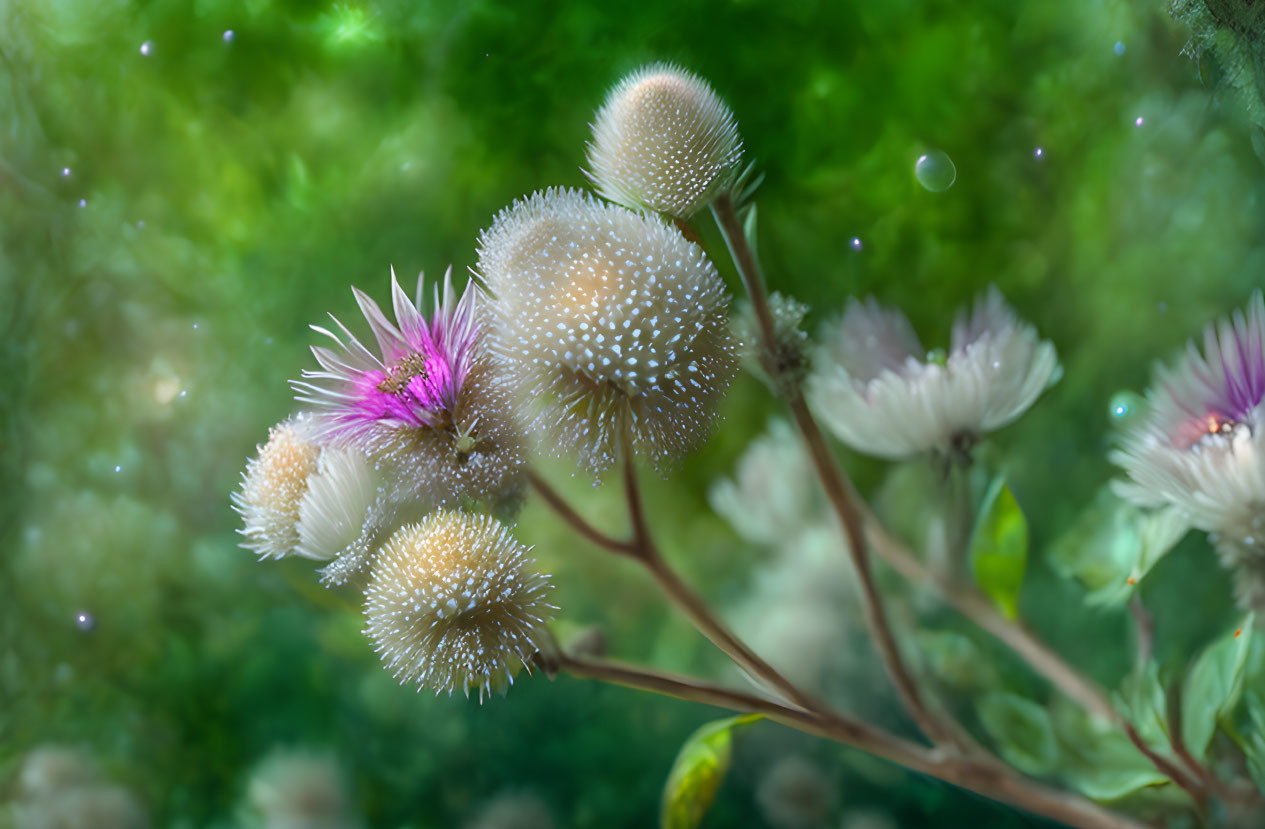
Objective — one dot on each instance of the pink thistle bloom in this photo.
(1201, 447)
(427, 402)
(415, 381)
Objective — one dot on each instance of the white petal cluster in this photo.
(454, 603)
(879, 392)
(664, 141)
(299, 498)
(612, 326)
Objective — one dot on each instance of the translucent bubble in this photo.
(935, 171)
(85, 621)
(228, 35)
(1119, 47)
(1124, 407)
(856, 243)
(147, 47)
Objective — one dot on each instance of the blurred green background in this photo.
(185, 186)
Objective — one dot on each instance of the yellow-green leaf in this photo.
(999, 548)
(697, 772)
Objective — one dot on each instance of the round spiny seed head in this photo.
(454, 603)
(299, 498)
(664, 141)
(613, 326)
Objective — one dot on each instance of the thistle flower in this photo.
(612, 325)
(298, 498)
(430, 404)
(1201, 445)
(883, 395)
(664, 141)
(454, 603)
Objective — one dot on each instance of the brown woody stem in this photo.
(983, 777)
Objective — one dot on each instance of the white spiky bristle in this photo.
(273, 487)
(663, 141)
(454, 603)
(613, 326)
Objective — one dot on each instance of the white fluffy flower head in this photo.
(454, 603)
(613, 326)
(664, 141)
(880, 393)
(299, 498)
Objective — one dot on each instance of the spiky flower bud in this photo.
(454, 603)
(429, 404)
(613, 326)
(298, 498)
(664, 141)
(784, 363)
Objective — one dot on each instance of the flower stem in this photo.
(693, 606)
(983, 777)
(834, 481)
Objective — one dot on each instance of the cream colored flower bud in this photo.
(298, 498)
(664, 141)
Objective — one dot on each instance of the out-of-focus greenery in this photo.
(185, 185)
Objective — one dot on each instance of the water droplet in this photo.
(935, 171)
(1139, 121)
(85, 621)
(83, 202)
(228, 35)
(118, 467)
(1123, 406)
(1038, 154)
(147, 47)
(1119, 47)
(856, 243)
(65, 171)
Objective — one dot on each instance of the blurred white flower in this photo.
(296, 789)
(513, 810)
(796, 794)
(879, 392)
(774, 490)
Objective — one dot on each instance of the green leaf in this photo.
(749, 228)
(1213, 686)
(1099, 761)
(955, 660)
(1021, 730)
(1113, 545)
(999, 548)
(1254, 746)
(1145, 702)
(697, 772)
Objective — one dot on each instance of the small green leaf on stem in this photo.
(698, 770)
(1214, 685)
(999, 548)
(1021, 730)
